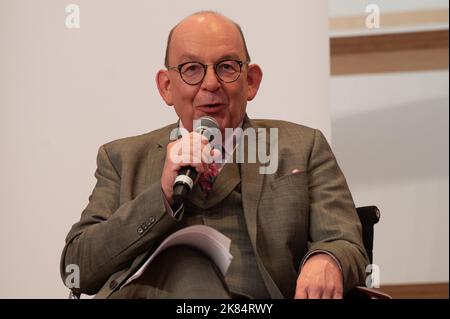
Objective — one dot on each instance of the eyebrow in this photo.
(191, 57)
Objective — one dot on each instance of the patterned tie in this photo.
(206, 179)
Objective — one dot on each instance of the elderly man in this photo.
(294, 233)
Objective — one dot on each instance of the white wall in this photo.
(390, 136)
(65, 92)
(357, 7)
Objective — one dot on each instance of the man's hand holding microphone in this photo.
(187, 158)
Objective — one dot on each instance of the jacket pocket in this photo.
(287, 211)
(292, 181)
(290, 192)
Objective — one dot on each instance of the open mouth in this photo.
(211, 108)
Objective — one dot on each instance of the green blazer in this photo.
(288, 216)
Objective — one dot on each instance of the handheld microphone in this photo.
(187, 175)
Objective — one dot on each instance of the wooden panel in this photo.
(389, 42)
(417, 291)
(391, 19)
(389, 52)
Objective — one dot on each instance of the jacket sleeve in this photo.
(334, 223)
(108, 236)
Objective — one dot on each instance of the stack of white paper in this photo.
(206, 239)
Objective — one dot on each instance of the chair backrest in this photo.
(369, 216)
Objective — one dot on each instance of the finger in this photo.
(187, 143)
(184, 150)
(199, 137)
(300, 294)
(338, 294)
(188, 160)
(198, 167)
(199, 156)
(204, 151)
(327, 293)
(198, 152)
(174, 148)
(196, 156)
(198, 164)
(208, 154)
(314, 293)
(216, 155)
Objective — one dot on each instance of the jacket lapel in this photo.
(251, 184)
(157, 153)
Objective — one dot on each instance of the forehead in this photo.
(207, 38)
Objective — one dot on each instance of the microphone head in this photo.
(207, 126)
(205, 123)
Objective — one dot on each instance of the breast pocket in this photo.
(289, 209)
(290, 192)
(299, 179)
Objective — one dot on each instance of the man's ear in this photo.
(163, 83)
(254, 78)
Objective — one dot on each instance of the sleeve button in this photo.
(113, 284)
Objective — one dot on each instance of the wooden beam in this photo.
(417, 291)
(394, 52)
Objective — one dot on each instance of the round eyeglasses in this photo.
(193, 73)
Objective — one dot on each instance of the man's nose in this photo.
(210, 81)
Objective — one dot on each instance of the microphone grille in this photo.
(204, 123)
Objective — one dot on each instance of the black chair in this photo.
(369, 216)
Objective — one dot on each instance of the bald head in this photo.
(208, 38)
(206, 21)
